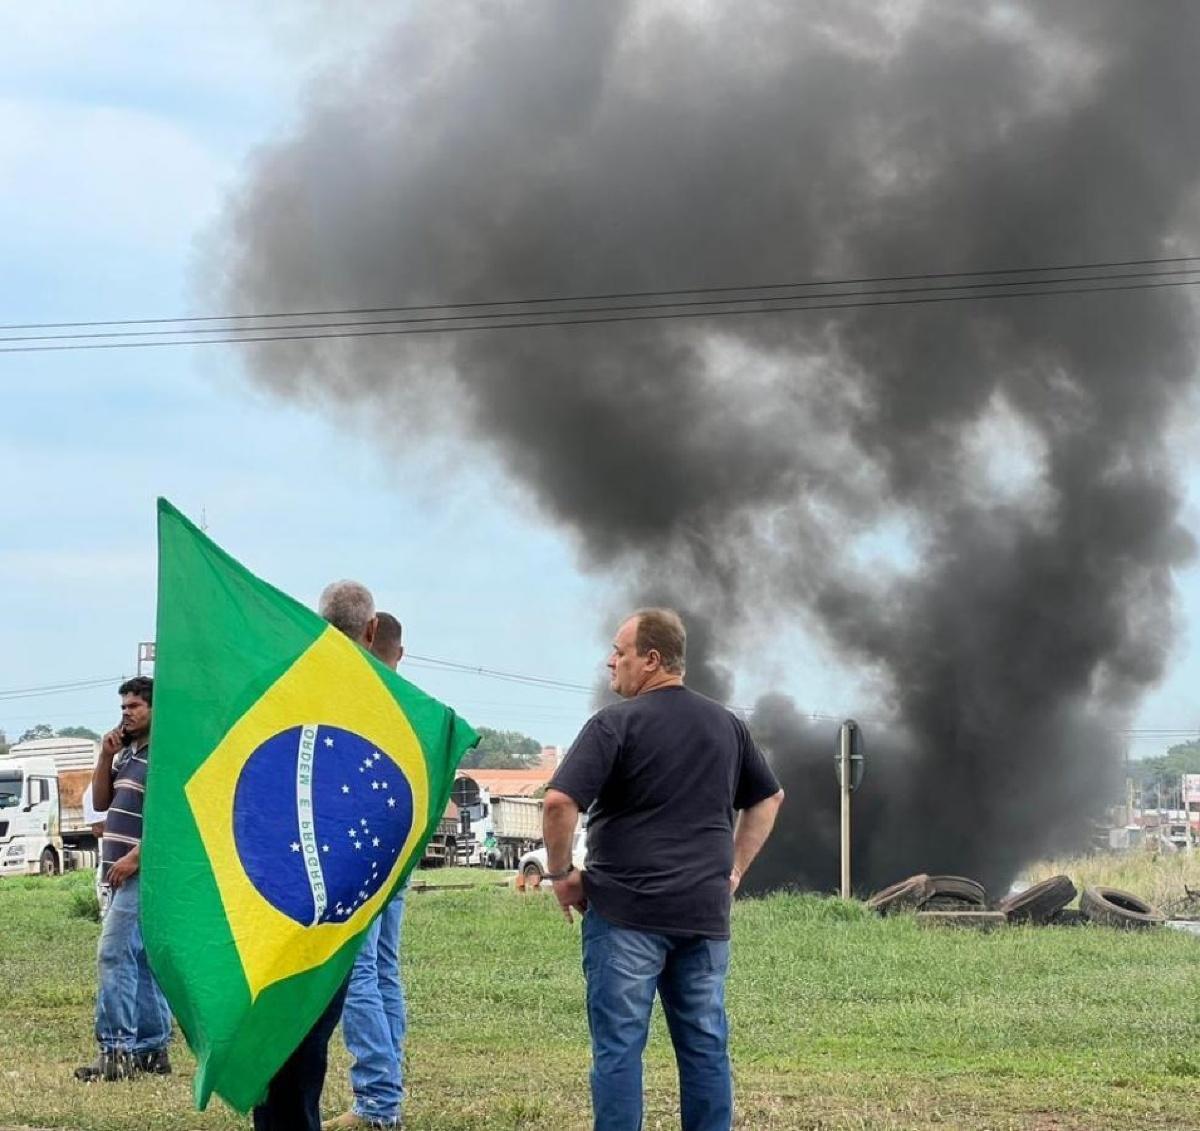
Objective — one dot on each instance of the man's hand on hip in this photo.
(569, 893)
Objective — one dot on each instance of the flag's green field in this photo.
(840, 1020)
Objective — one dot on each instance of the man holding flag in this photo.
(295, 783)
(293, 1099)
(374, 1019)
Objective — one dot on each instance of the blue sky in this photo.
(122, 130)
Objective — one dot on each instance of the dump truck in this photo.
(482, 829)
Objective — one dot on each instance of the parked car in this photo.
(533, 864)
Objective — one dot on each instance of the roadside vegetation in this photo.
(840, 1020)
(1161, 878)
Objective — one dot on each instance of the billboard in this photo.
(1191, 789)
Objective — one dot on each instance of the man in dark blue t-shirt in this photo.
(680, 801)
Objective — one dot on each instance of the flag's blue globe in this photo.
(319, 818)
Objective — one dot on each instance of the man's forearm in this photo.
(753, 827)
(560, 815)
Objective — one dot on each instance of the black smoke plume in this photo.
(1015, 448)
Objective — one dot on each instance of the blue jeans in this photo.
(131, 1013)
(623, 968)
(374, 1021)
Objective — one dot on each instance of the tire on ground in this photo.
(1039, 903)
(48, 864)
(1111, 907)
(907, 895)
(950, 892)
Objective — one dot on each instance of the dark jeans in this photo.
(293, 1100)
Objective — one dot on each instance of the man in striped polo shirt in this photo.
(133, 1021)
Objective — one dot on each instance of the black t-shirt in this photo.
(662, 774)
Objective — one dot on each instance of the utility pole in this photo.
(849, 764)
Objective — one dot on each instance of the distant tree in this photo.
(3, 744)
(42, 730)
(78, 732)
(1158, 778)
(503, 750)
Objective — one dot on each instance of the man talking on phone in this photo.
(133, 1021)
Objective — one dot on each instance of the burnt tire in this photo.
(907, 895)
(1039, 903)
(48, 864)
(1111, 907)
(952, 892)
(1068, 917)
(532, 873)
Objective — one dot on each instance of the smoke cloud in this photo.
(1007, 453)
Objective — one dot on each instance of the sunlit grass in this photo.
(839, 1020)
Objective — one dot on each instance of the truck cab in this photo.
(30, 817)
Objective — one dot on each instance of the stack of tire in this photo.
(1042, 904)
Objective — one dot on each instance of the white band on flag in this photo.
(306, 818)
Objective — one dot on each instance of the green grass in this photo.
(839, 1020)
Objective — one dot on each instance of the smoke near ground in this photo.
(1009, 454)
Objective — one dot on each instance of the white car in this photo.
(533, 864)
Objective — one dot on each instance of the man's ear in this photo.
(369, 632)
(400, 654)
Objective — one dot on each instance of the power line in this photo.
(586, 321)
(450, 319)
(57, 688)
(543, 300)
(493, 673)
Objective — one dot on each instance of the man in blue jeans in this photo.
(680, 801)
(133, 1021)
(374, 1021)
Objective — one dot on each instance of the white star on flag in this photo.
(329, 742)
(295, 847)
(345, 789)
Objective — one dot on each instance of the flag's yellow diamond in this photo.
(310, 808)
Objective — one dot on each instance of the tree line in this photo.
(1156, 780)
(497, 749)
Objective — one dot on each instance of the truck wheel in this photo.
(1111, 907)
(907, 895)
(955, 893)
(1039, 903)
(48, 866)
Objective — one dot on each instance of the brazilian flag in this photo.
(294, 781)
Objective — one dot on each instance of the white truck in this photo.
(42, 827)
(494, 831)
(508, 828)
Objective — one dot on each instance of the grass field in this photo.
(840, 1020)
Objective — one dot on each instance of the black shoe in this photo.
(111, 1064)
(153, 1061)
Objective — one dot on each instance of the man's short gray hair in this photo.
(348, 606)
